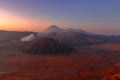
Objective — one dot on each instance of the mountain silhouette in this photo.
(47, 46)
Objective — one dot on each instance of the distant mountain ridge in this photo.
(71, 37)
(77, 37)
(11, 35)
(55, 28)
(79, 31)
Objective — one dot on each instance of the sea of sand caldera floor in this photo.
(90, 63)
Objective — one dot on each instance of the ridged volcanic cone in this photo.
(47, 46)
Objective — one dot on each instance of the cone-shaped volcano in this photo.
(47, 46)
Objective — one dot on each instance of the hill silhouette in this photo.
(47, 46)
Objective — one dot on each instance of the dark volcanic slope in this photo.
(47, 46)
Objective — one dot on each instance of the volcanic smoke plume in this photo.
(47, 46)
(28, 38)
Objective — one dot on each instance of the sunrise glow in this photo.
(11, 21)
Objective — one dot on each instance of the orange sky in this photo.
(10, 21)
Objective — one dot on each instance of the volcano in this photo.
(47, 46)
(53, 28)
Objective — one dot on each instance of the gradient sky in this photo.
(97, 16)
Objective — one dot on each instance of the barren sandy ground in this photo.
(90, 63)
